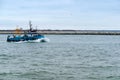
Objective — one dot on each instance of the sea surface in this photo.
(65, 57)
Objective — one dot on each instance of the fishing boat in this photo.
(30, 35)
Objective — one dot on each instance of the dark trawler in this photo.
(30, 35)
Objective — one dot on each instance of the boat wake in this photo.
(35, 41)
(38, 40)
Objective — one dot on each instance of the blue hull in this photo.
(18, 38)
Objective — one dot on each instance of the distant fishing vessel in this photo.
(30, 35)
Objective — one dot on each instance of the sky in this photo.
(60, 14)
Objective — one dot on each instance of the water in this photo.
(65, 57)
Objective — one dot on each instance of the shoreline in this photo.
(68, 32)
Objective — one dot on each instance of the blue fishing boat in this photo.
(30, 35)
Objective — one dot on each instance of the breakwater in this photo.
(68, 32)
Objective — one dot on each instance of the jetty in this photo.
(68, 32)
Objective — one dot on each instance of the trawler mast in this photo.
(30, 25)
(31, 29)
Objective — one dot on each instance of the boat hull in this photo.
(38, 38)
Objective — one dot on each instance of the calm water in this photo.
(65, 57)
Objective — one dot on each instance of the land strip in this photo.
(67, 32)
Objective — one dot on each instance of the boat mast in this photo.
(30, 25)
(31, 29)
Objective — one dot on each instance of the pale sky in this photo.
(61, 14)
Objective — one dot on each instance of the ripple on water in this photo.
(66, 57)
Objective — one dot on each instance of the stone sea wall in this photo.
(68, 32)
